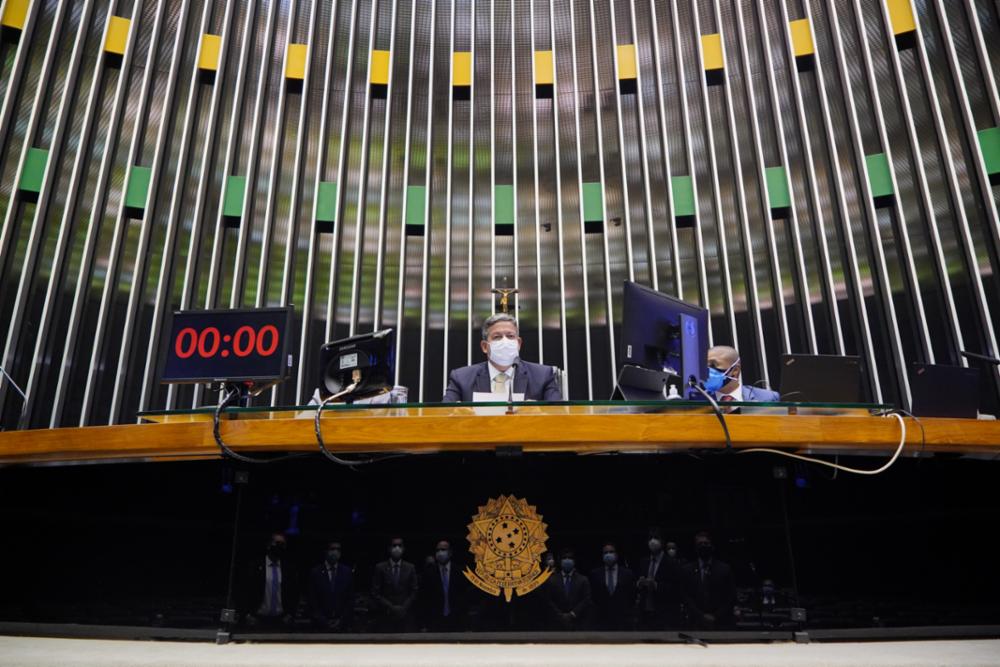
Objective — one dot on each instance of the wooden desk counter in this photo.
(549, 429)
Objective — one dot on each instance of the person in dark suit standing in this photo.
(659, 597)
(709, 588)
(394, 589)
(503, 372)
(568, 595)
(443, 593)
(725, 378)
(269, 591)
(330, 592)
(613, 589)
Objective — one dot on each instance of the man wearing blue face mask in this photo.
(503, 372)
(612, 586)
(725, 378)
(567, 593)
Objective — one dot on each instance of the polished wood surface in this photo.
(541, 429)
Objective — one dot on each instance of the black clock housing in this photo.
(228, 345)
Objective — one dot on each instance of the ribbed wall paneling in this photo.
(817, 174)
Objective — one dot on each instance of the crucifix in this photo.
(504, 293)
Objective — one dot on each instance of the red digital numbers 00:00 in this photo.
(245, 341)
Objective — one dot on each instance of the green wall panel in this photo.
(879, 175)
(326, 202)
(682, 189)
(34, 170)
(593, 202)
(236, 190)
(989, 143)
(777, 188)
(138, 188)
(416, 200)
(503, 205)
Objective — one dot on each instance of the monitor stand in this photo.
(642, 384)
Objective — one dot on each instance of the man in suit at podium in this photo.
(725, 378)
(501, 344)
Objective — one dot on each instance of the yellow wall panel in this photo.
(626, 61)
(711, 50)
(901, 16)
(543, 68)
(208, 57)
(461, 68)
(117, 37)
(295, 67)
(802, 41)
(380, 68)
(15, 13)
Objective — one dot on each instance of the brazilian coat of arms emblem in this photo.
(507, 538)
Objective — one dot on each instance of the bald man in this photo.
(725, 378)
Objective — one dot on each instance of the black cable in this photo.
(226, 451)
(232, 552)
(692, 382)
(349, 463)
(906, 413)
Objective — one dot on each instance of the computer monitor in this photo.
(945, 391)
(661, 334)
(371, 354)
(821, 378)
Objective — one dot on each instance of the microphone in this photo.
(973, 356)
(510, 389)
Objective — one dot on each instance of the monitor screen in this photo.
(371, 354)
(660, 332)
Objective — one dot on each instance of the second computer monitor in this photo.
(660, 332)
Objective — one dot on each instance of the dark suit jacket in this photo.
(432, 598)
(535, 381)
(614, 610)
(402, 593)
(714, 593)
(254, 578)
(578, 601)
(666, 597)
(331, 600)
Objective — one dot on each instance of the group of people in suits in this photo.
(664, 592)
(402, 599)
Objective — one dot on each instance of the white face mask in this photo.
(503, 352)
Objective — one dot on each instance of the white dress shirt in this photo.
(736, 393)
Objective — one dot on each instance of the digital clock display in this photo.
(241, 345)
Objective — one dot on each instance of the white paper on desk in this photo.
(490, 397)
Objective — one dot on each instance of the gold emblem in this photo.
(507, 538)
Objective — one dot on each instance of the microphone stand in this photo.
(510, 391)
